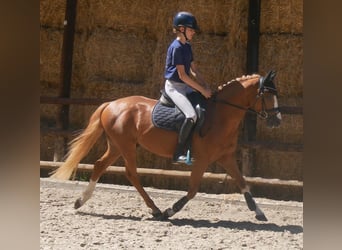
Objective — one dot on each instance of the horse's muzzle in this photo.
(273, 121)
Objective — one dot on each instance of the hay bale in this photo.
(281, 44)
(47, 150)
(282, 165)
(121, 15)
(290, 131)
(284, 53)
(102, 64)
(153, 16)
(146, 159)
(116, 56)
(52, 13)
(50, 60)
(50, 54)
(217, 60)
(281, 16)
(156, 80)
(217, 16)
(291, 128)
(48, 114)
(112, 90)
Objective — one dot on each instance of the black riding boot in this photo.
(182, 138)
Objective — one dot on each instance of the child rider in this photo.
(178, 83)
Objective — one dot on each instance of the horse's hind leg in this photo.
(129, 155)
(100, 166)
(229, 163)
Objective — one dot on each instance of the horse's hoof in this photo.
(161, 216)
(261, 217)
(78, 203)
(169, 212)
(157, 215)
(165, 216)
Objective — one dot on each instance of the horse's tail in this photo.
(80, 146)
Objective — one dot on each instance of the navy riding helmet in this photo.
(185, 19)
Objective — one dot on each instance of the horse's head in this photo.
(252, 93)
(267, 102)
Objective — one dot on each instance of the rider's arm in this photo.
(192, 83)
(195, 72)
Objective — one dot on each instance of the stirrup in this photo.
(185, 159)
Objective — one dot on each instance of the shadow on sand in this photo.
(240, 225)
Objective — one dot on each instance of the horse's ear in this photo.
(267, 81)
(272, 73)
(269, 76)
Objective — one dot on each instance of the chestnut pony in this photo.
(127, 122)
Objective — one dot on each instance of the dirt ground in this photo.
(116, 217)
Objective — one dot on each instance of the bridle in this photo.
(264, 113)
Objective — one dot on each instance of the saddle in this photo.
(166, 115)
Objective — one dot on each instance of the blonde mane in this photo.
(239, 79)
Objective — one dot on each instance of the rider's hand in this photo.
(206, 93)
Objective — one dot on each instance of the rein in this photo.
(263, 114)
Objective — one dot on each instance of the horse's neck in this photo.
(239, 93)
(251, 87)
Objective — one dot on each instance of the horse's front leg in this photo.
(228, 162)
(194, 182)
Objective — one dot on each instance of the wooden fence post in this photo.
(65, 73)
(249, 129)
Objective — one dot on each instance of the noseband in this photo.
(264, 113)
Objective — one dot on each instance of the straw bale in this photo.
(52, 13)
(126, 15)
(292, 126)
(285, 55)
(49, 88)
(281, 16)
(48, 115)
(50, 54)
(146, 159)
(220, 58)
(47, 147)
(290, 130)
(164, 18)
(116, 56)
(276, 164)
(156, 80)
(216, 16)
(79, 115)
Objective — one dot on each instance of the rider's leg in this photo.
(183, 136)
(177, 92)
